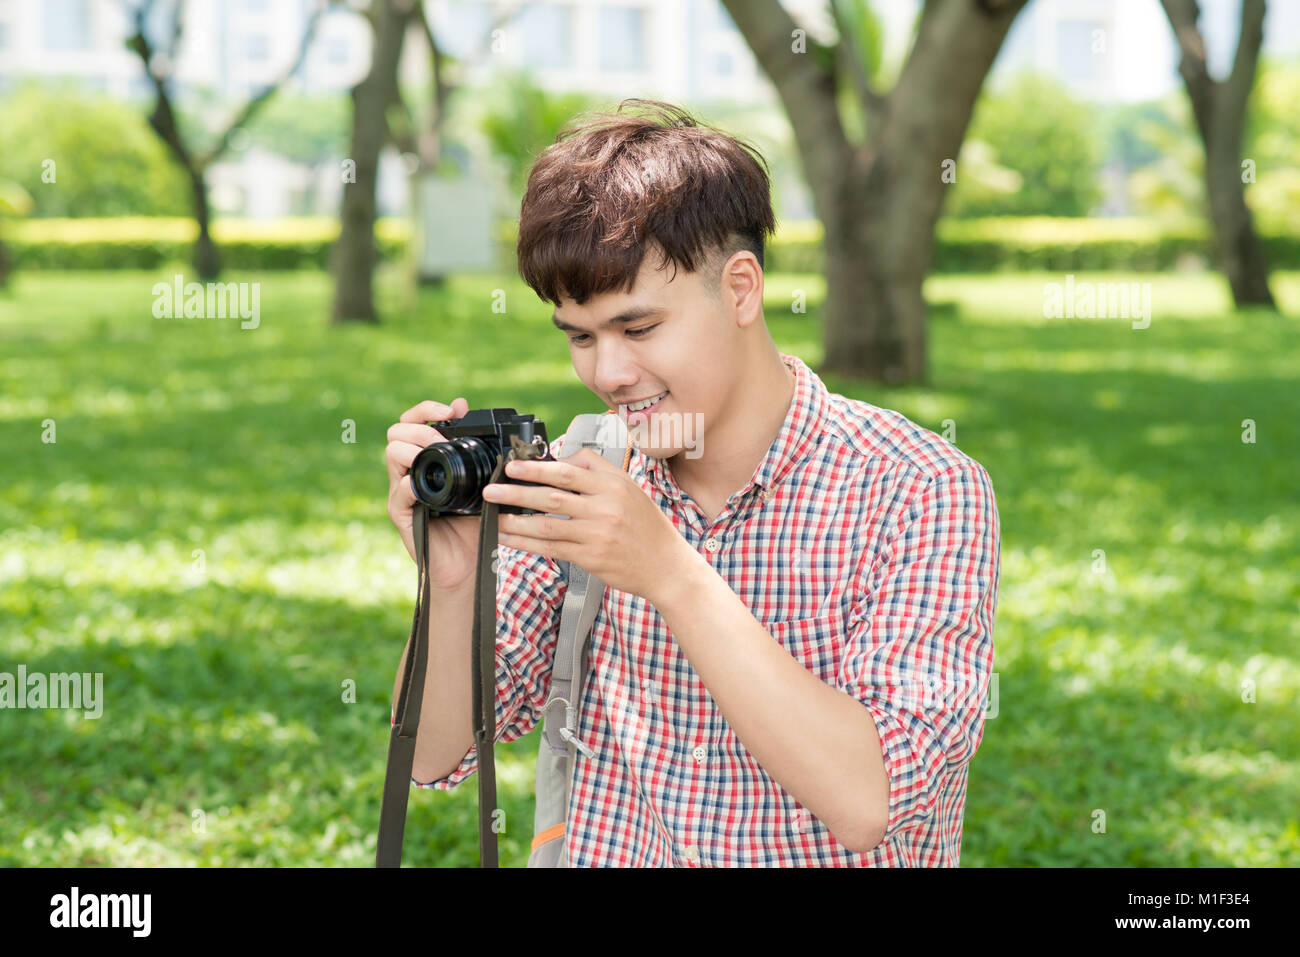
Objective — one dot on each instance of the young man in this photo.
(790, 663)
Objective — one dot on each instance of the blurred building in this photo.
(684, 51)
(678, 50)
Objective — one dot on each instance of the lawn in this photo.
(202, 534)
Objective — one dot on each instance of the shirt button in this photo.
(712, 544)
(693, 854)
(767, 494)
(699, 753)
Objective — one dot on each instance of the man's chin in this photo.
(657, 451)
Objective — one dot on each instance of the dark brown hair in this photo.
(614, 185)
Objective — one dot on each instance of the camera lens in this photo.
(449, 476)
(435, 476)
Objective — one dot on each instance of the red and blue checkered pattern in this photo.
(869, 548)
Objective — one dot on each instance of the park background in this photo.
(208, 528)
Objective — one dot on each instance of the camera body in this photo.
(449, 476)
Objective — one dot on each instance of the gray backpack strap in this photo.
(582, 599)
(607, 434)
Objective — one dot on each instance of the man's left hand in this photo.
(614, 529)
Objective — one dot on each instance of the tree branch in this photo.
(162, 119)
(806, 89)
(873, 104)
(1192, 64)
(252, 107)
(1235, 90)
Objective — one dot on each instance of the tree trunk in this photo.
(880, 200)
(1237, 246)
(207, 259)
(355, 253)
(1219, 107)
(875, 314)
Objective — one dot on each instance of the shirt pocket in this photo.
(816, 643)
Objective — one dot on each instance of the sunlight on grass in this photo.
(203, 535)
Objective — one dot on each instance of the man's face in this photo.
(679, 342)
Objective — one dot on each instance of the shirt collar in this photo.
(799, 434)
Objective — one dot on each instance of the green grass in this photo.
(1120, 691)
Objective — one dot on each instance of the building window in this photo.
(258, 49)
(621, 32)
(722, 18)
(336, 49)
(464, 28)
(547, 35)
(65, 25)
(1074, 40)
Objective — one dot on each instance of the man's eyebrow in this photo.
(629, 315)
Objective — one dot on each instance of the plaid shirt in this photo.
(869, 548)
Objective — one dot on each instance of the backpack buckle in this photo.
(570, 719)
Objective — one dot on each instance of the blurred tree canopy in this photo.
(1272, 141)
(107, 162)
(305, 129)
(1031, 150)
(521, 119)
(1157, 144)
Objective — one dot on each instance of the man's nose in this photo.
(615, 370)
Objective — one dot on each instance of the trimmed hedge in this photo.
(150, 242)
(1021, 244)
(973, 245)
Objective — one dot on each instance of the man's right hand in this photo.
(453, 539)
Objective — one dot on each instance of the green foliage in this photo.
(1171, 184)
(1272, 142)
(305, 129)
(864, 35)
(519, 119)
(1158, 146)
(1119, 690)
(106, 159)
(1035, 128)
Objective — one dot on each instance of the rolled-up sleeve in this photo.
(919, 650)
(530, 593)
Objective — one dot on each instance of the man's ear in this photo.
(743, 279)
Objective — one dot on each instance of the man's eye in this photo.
(638, 333)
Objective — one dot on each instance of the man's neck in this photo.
(734, 447)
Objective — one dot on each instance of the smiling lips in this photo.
(640, 414)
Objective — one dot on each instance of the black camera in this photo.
(449, 476)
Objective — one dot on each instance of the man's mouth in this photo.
(634, 413)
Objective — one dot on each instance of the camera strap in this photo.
(401, 743)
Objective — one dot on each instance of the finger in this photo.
(399, 456)
(405, 493)
(548, 549)
(414, 433)
(401, 498)
(565, 474)
(430, 411)
(543, 498)
(542, 527)
(586, 458)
